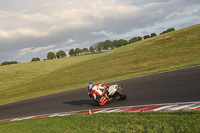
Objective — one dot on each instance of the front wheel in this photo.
(122, 95)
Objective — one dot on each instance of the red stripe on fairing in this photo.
(39, 116)
(94, 92)
(197, 108)
(138, 109)
(103, 92)
(102, 99)
(104, 89)
(102, 102)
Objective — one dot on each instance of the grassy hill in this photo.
(169, 51)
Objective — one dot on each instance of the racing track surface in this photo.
(181, 85)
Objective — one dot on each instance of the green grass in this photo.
(169, 51)
(146, 122)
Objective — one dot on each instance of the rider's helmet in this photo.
(90, 85)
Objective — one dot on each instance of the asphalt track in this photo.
(181, 85)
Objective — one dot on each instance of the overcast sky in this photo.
(33, 28)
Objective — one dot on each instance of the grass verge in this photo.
(126, 122)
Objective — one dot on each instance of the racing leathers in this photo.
(100, 93)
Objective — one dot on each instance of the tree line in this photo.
(8, 63)
(95, 48)
(52, 55)
(109, 45)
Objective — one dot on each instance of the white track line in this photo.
(164, 107)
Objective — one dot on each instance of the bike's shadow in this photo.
(82, 102)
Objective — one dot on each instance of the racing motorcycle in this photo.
(114, 92)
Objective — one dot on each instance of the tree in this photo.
(78, 51)
(146, 36)
(99, 46)
(35, 59)
(135, 39)
(85, 50)
(51, 55)
(139, 38)
(153, 34)
(57, 55)
(95, 48)
(121, 42)
(163, 32)
(106, 45)
(168, 30)
(71, 52)
(91, 49)
(111, 45)
(115, 43)
(61, 54)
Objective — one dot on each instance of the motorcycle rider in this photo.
(99, 93)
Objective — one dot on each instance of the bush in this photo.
(168, 30)
(35, 59)
(146, 36)
(9, 63)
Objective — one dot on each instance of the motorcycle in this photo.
(114, 92)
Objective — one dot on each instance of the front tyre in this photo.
(122, 95)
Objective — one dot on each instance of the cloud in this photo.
(70, 41)
(33, 50)
(22, 32)
(183, 14)
(54, 17)
(28, 26)
(91, 15)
